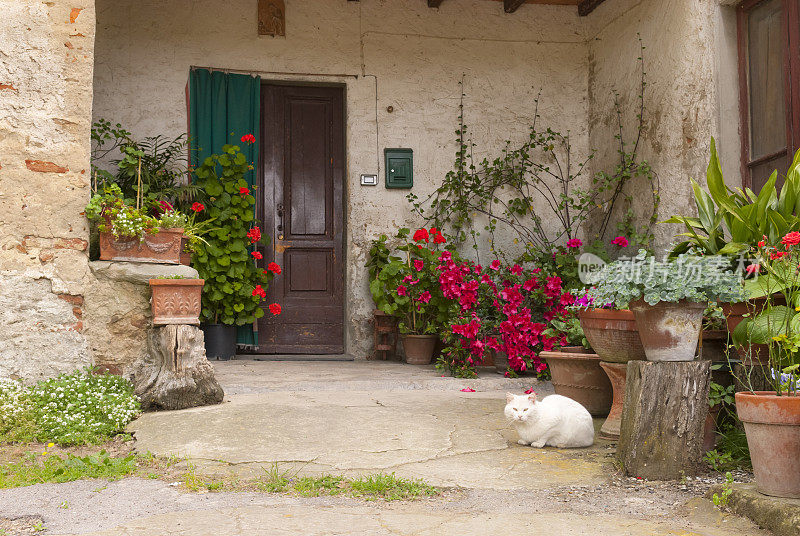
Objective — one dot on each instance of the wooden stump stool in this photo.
(666, 404)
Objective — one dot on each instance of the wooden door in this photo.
(302, 171)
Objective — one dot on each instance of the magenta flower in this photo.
(418, 265)
(516, 269)
(467, 390)
(425, 297)
(402, 291)
(495, 265)
(574, 243)
(620, 241)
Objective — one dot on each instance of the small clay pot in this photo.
(613, 334)
(669, 331)
(772, 426)
(577, 375)
(176, 301)
(419, 348)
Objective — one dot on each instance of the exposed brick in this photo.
(78, 312)
(46, 256)
(45, 167)
(71, 243)
(73, 15)
(77, 326)
(7, 86)
(74, 299)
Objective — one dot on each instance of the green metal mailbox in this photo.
(399, 168)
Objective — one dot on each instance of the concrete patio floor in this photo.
(349, 418)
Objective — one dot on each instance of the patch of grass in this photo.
(274, 480)
(309, 486)
(390, 487)
(36, 469)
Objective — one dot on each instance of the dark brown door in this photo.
(301, 205)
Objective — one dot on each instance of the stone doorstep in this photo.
(781, 516)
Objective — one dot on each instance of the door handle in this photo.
(279, 210)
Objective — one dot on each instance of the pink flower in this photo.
(418, 265)
(620, 241)
(495, 265)
(529, 391)
(753, 269)
(425, 297)
(402, 291)
(467, 390)
(516, 269)
(574, 243)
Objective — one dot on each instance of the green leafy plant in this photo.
(380, 255)
(235, 285)
(36, 469)
(731, 220)
(390, 487)
(571, 329)
(717, 461)
(721, 500)
(720, 394)
(71, 409)
(698, 279)
(112, 213)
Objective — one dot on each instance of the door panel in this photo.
(302, 208)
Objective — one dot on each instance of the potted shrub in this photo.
(176, 300)
(409, 290)
(731, 221)
(772, 418)
(667, 298)
(575, 369)
(227, 258)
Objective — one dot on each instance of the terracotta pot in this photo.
(612, 334)
(419, 348)
(164, 247)
(578, 376)
(669, 331)
(772, 426)
(617, 373)
(735, 313)
(713, 345)
(176, 301)
(710, 428)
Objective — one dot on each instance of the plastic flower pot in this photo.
(772, 426)
(419, 348)
(220, 341)
(176, 301)
(613, 334)
(669, 331)
(576, 374)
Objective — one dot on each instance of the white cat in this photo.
(556, 421)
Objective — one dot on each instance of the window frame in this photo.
(791, 66)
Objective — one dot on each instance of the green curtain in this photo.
(223, 107)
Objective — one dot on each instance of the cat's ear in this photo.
(532, 396)
(509, 397)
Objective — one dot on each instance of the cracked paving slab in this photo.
(448, 438)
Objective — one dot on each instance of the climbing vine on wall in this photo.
(511, 189)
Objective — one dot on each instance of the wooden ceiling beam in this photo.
(434, 3)
(587, 6)
(510, 6)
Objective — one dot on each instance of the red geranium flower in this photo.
(198, 207)
(418, 265)
(761, 244)
(275, 309)
(778, 255)
(791, 239)
(254, 234)
(274, 268)
(244, 191)
(248, 138)
(257, 255)
(258, 291)
(421, 235)
(574, 243)
(438, 239)
(620, 241)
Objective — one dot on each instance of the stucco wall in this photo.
(45, 113)
(691, 94)
(412, 54)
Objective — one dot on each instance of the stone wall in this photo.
(387, 53)
(45, 114)
(691, 93)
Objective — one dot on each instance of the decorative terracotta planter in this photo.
(176, 301)
(772, 426)
(617, 374)
(613, 334)
(735, 313)
(669, 331)
(164, 247)
(577, 375)
(419, 348)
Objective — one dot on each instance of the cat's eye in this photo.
(526, 409)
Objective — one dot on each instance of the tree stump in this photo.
(175, 374)
(666, 405)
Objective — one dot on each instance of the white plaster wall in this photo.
(417, 55)
(690, 59)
